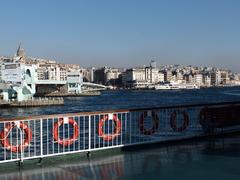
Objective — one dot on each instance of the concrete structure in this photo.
(22, 79)
(74, 82)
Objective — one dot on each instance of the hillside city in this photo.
(46, 76)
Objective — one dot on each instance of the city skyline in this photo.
(126, 33)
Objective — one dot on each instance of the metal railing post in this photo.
(41, 137)
(130, 125)
(21, 144)
(89, 132)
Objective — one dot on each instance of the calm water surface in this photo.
(130, 99)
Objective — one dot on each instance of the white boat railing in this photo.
(53, 135)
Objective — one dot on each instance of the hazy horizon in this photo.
(124, 33)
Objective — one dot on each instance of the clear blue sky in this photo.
(124, 33)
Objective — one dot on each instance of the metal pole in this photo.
(21, 145)
(41, 138)
(89, 135)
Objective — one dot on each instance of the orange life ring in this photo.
(155, 123)
(185, 122)
(117, 128)
(4, 137)
(66, 142)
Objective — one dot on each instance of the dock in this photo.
(35, 102)
(4, 103)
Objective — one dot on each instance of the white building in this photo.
(206, 80)
(74, 82)
(160, 77)
(22, 79)
(198, 79)
(135, 77)
(112, 74)
(152, 75)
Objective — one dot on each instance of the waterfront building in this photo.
(22, 79)
(198, 79)
(135, 77)
(167, 75)
(74, 82)
(152, 73)
(107, 75)
(123, 77)
(236, 77)
(188, 78)
(206, 80)
(215, 78)
(88, 74)
(112, 76)
(179, 76)
(51, 72)
(99, 75)
(225, 77)
(160, 76)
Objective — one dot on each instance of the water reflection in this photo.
(218, 158)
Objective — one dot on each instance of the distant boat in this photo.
(175, 86)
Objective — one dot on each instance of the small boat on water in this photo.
(175, 86)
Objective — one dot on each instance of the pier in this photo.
(24, 138)
(4, 103)
(34, 102)
(39, 102)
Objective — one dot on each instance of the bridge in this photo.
(58, 82)
(53, 82)
(88, 84)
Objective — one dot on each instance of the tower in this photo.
(20, 52)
